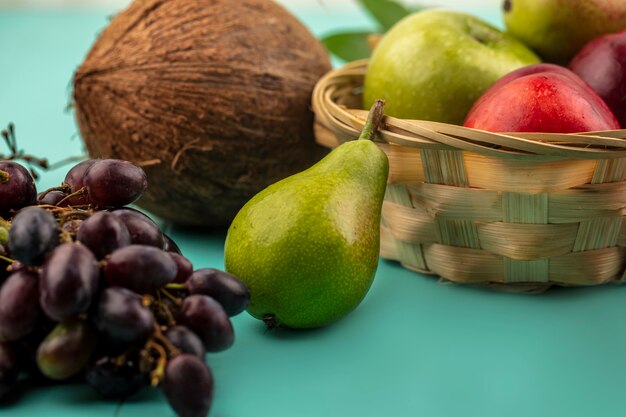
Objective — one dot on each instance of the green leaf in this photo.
(348, 46)
(385, 12)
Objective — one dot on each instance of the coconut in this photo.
(211, 97)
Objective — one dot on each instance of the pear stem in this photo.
(374, 120)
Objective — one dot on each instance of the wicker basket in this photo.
(520, 211)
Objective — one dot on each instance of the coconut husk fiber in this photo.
(211, 97)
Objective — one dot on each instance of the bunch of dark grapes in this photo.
(92, 289)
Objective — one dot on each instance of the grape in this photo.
(68, 282)
(66, 350)
(105, 320)
(114, 183)
(143, 231)
(17, 187)
(8, 364)
(75, 179)
(184, 267)
(122, 318)
(103, 233)
(51, 197)
(141, 268)
(188, 399)
(114, 381)
(169, 245)
(186, 340)
(19, 305)
(33, 235)
(206, 317)
(26, 347)
(227, 289)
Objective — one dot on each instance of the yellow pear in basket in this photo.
(307, 246)
(558, 29)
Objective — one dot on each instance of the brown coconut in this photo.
(212, 97)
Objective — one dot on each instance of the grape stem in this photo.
(121, 359)
(4, 177)
(158, 334)
(164, 309)
(175, 286)
(64, 188)
(68, 215)
(7, 260)
(147, 300)
(80, 192)
(171, 297)
(157, 374)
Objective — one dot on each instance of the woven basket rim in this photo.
(423, 134)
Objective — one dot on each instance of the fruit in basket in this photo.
(434, 64)
(602, 64)
(213, 95)
(557, 29)
(548, 98)
(307, 246)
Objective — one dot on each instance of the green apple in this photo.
(434, 64)
(557, 29)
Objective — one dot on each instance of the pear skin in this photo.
(308, 246)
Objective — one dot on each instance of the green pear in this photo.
(434, 64)
(557, 29)
(307, 247)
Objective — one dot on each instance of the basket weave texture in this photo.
(519, 211)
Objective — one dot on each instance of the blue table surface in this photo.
(414, 347)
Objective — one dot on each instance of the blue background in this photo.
(414, 347)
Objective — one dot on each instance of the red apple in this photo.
(541, 98)
(602, 64)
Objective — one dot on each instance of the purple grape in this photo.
(68, 282)
(103, 233)
(188, 399)
(75, 178)
(140, 268)
(186, 340)
(143, 231)
(113, 381)
(33, 234)
(206, 317)
(9, 367)
(17, 187)
(26, 347)
(51, 198)
(122, 318)
(227, 289)
(66, 350)
(19, 305)
(114, 183)
(184, 267)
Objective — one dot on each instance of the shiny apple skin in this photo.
(602, 64)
